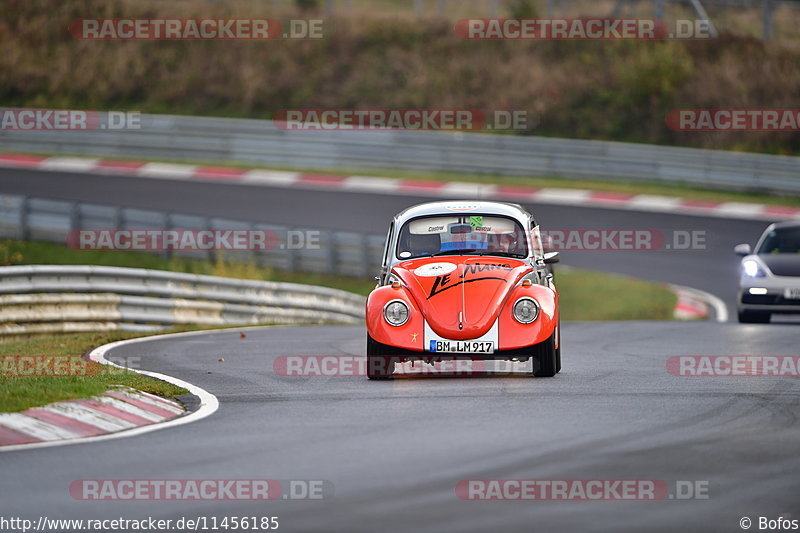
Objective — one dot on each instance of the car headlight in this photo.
(396, 313)
(526, 310)
(752, 269)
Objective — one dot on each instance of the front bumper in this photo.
(774, 301)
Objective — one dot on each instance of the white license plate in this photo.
(462, 346)
(791, 294)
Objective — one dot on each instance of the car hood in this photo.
(782, 264)
(461, 296)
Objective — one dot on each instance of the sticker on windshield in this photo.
(434, 269)
(461, 207)
(476, 221)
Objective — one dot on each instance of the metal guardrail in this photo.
(337, 252)
(261, 142)
(50, 298)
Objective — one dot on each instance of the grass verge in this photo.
(18, 393)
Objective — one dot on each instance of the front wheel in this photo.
(545, 358)
(380, 365)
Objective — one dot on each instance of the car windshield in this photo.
(781, 241)
(457, 234)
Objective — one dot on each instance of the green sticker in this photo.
(476, 222)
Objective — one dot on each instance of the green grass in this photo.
(587, 295)
(18, 393)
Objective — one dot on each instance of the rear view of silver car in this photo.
(770, 274)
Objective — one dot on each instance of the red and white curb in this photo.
(115, 410)
(118, 413)
(391, 186)
(694, 304)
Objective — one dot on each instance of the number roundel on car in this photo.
(434, 269)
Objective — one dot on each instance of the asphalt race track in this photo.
(395, 450)
(713, 269)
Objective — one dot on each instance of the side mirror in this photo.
(550, 258)
(742, 249)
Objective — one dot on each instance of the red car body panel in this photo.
(474, 293)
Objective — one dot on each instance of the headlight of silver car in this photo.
(526, 310)
(396, 313)
(753, 269)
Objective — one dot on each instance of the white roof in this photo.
(452, 207)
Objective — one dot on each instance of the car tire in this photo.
(558, 350)
(380, 364)
(754, 317)
(545, 358)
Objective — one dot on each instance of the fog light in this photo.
(758, 290)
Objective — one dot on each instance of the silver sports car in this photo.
(770, 274)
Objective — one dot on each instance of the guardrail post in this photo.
(22, 219)
(659, 9)
(211, 255)
(333, 255)
(365, 255)
(169, 253)
(766, 14)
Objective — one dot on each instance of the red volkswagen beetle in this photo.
(464, 280)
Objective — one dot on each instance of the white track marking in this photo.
(568, 196)
(720, 309)
(208, 402)
(34, 427)
(166, 170)
(69, 164)
(129, 408)
(270, 177)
